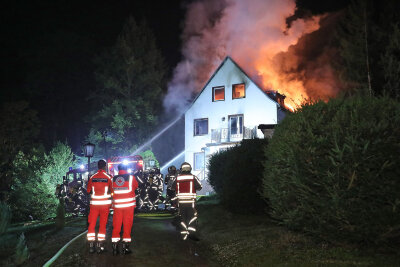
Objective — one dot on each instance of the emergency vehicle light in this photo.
(125, 162)
(82, 166)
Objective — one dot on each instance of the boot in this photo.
(125, 248)
(92, 249)
(100, 247)
(115, 248)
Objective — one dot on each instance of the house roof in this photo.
(248, 77)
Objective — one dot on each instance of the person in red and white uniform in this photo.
(99, 186)
(124, 186)
(186, 185)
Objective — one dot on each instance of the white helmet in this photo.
(185, 167)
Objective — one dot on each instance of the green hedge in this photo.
(236, 176)
(334, 170)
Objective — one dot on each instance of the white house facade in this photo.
(228, 109)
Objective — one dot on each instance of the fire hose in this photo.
(51, 261)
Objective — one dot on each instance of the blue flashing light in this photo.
(125, 162)
(82, 166)
(70, 168)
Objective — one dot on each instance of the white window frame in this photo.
(195, 167)
(213, 93)
(194, 126)
(240, 130)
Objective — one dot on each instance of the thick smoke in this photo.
(264, 38)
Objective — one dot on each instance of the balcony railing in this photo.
(223, 135)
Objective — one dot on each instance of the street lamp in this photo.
(88, 151)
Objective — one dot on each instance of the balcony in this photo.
(223, 135)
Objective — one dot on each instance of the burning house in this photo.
(230, 107)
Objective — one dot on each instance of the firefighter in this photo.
(171, 192)
(186, 185)
(99, 186)
(124, 186)
(155, 188)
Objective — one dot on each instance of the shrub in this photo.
(21, 250)
(60, 218)
(5, 217)
(333, 170)
(236, 176)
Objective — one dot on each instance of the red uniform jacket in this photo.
(124, 186)
(186, 186)
(100, 184)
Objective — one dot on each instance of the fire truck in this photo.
(148, 194)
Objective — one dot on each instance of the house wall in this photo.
(257, 108)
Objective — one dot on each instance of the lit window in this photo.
(201, 127)
(199, 161)
(236, 125)
(219, 93)
(238, 91)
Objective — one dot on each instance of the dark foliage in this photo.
(60, 218)
(333, 170)
(236, 176)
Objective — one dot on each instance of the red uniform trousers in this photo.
(122, 216)
(96, 211)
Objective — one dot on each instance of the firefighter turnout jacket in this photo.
(100, 186)
(186, 187)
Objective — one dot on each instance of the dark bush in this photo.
(333, 170)
(236, 176)
(60, 218)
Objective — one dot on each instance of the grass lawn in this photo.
(42, 239)
(255, 240)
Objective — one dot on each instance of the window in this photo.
(199, 161)
(201, 127)
(219, 93)
(238, 91)
(236, 125)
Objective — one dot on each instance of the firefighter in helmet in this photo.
(124, 186)
(171, 192)
(99, 186)
(186, 185)
(155, 188)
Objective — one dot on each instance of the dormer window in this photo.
(218, 93)
(238, 91)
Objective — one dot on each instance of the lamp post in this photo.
(88, 151)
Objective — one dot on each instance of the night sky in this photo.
(48, 47)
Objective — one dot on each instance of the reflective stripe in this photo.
(125, 205)
(126, 240)
(186, 201)
(191, 229)
(184, 232)
(191, 186)
(183, 224)
(129, 189)
(192, 220)
(185, 237)
(115, 239)
(91, 234)
(185, 177)
(186, 194)
(101, 235)
(100, 202)
(102, 196)
(91, 238)
(124, 200)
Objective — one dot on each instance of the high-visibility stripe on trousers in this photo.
(96, 211)
(122, 216)
(188, 217)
